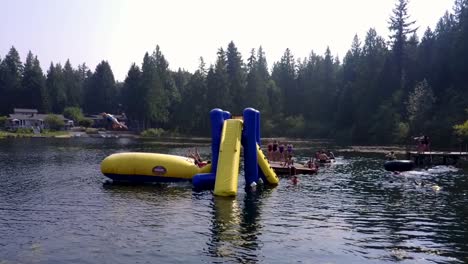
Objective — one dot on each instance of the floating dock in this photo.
(435, 157)
(295, 169)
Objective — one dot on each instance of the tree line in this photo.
(383, 91)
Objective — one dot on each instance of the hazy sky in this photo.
(121, 31)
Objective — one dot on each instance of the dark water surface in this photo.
(55, 207)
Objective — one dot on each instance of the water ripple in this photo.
(54, 208)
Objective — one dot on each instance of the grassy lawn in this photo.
(4, 134)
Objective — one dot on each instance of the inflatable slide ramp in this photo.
(227, 173)
(264, 165)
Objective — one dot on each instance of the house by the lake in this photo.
(30, 118)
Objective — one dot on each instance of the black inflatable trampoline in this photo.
(399, 165)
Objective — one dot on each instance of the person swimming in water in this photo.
(294, 179)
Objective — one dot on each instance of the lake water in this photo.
(57, 207)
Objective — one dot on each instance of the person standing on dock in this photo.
(270, 151)
(275, 153)
(423, 143)
(282, 154)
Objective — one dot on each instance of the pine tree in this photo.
(236, 74)
(284, 75)
(443, 54)
(194, 101)
(11, 71)
(461, 44)
(132, 95)
(345, 104)
(264, 83)
(72, 85)
(460, 9)
(328, 88)
(419, 107)
(83, 75)
(425, 55)
(56, 89)
(371, 86)
(101, 93)
(257, 81)
(33, 83)
(170, 90)
(218, 83)
(401, 26)
(412, 65)
(352, 60)
(155, 100)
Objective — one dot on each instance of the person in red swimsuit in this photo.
(197, 159)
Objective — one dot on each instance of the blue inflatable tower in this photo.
(250, 141)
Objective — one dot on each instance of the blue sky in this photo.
(121, 31)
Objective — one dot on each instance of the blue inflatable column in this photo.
(217, 117)
(250, 146)
(226, 116)
(206, 181)
(257, 132)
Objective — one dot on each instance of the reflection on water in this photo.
(56, 207)
(235, 228)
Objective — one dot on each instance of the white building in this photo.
(29, 118)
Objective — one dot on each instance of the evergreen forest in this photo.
(385, 90)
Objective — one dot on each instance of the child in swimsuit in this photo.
(282, 157)
(275, 151)
(270, 151)
(289, 149)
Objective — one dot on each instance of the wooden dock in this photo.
(435, 157)
(291, 170)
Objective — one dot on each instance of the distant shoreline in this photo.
(203, 141)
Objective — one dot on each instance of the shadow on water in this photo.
(169, 191)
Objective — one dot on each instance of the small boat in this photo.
(399, 165)
(291, 169)
(150, 167)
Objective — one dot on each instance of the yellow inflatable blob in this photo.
(150, 167)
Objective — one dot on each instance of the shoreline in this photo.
(202, 141)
